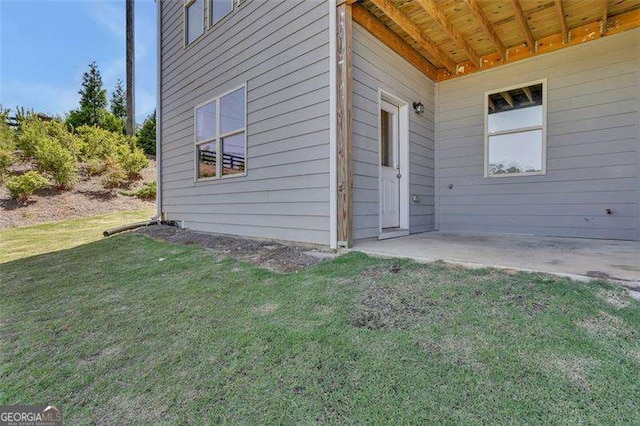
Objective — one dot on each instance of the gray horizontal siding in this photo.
(375, 67)
(280, 49)
(593, 158)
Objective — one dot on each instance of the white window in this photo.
(219, 9)
(515, 130)
(193, 20)
(220, 128)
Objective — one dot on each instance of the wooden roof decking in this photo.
(457, 37)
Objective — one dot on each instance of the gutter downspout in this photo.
(159, 213)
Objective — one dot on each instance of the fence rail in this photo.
(229, 161)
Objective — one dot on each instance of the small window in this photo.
(515, 131)
(220, 9)
(194, 19)
(220, 127)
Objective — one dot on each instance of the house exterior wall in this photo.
(593, 147)
(375, 67)
(281, 50)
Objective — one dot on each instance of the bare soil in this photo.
(273, 255)
(87, 198)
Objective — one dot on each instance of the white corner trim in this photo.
(333, 129)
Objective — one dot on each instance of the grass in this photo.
(17, 243)
(131, 330)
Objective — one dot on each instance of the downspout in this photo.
(159, 215)
(333, 129)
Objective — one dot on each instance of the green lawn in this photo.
(16, 243)
(131, 330)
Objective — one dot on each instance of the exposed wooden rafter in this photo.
(528, 92)
(396, 43)
(507, 97)
(486, 26)
(414, 31)
(605, 15)
(582, 34)
(524, 26)
(432, 9)
(563, 21)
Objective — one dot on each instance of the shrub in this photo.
(31, 136)
(147, 135)
(7, 144)
(22, 187)
(114, 177)
(58, 162)
(99, 143)
(96, 166)
(147, 192)
(132, 160)
(59, 131)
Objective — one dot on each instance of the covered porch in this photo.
(575, 257)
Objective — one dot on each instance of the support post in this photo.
(344, 108)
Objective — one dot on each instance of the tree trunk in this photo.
(131, 120)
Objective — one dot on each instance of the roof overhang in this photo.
(450, 38)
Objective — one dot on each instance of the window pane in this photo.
(206, 122)
(233, 160)
(232, 111)
(195, 20)
(207, 160)
(386, 135)
(515, 153)
(219, 9)
(515, 119)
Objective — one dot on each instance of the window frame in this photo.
(185, 22)
(542, 127)
(223, 17)
(217, 136)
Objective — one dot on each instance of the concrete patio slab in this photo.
(574, 257)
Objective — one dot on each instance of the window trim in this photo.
(185, 20)
(543, 127)
(216, 138)
(223, 17)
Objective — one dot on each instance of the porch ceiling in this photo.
(458, 37)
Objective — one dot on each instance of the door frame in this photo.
(403, 156)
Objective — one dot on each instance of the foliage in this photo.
(23, 186)
(7, 143)
(112, 123)
(31, 135)
(93, 98)
(99, 143)
(114, 176)
(58, 162)
(132, 160)
(147, 192)
(147, 135)
(118, 101)
(95, 166)
(59, 131)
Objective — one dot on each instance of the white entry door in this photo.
(389, 165)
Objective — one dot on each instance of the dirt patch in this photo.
(574, 368)
(265, 309)
(618, 299)
(87, 198)
(605, 326)
(272, 255)
(387, 306)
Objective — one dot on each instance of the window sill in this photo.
(503, 175)
(220, 178)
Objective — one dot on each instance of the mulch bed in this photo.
(87, 198)
(277, 256)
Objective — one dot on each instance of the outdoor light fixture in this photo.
(418, 107)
